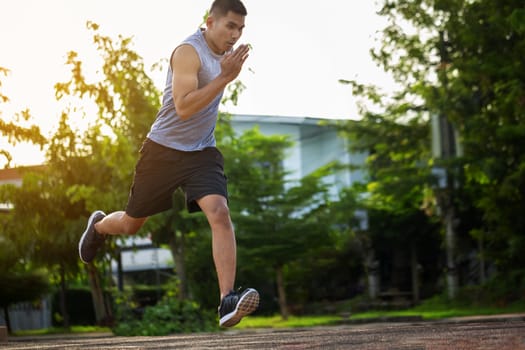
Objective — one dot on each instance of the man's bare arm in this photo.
(185, 63)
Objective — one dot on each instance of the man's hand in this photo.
(232, 62)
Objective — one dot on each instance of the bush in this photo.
(79, 306)
(169, 316)
(501, 290)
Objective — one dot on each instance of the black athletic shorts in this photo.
(161, 170)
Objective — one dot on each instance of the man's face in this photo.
(225, 31)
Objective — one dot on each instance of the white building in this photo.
(316, 143)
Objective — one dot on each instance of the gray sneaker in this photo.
(235, 306)
(91, 240)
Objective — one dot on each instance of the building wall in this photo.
(29, 315)
(315, 145)
(274, 126)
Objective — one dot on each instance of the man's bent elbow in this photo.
(182, 112)
(184, 116)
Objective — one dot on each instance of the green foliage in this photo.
(85, 169)
(517, 20)
(126, 97)
(169, 316)
(486, 85)
(17, 128)
(279, 222)
(22, 280)
(200, 269)
(79, 306)
(274, 218)
(22, 286)
(461, 60)
(499, 291)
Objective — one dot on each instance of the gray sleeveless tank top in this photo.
(196, 132)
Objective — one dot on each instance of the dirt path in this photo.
(497, 332)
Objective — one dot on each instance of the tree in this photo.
(277, 222)
(13, 129)
(460, 61)
(20, 287)
(126, 97)
(19, 282)
(398, 181)
(485, 43)
(95, 167)
(21, 279)
(394, 130)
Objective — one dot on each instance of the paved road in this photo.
(504, 332)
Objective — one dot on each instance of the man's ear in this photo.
(209, 21)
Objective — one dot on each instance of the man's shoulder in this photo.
(186, 48)
(197, 38)
(189, 47)
(185, 52)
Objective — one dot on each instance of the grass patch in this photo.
(59, 330)
(432, 309)
(277, 321)
(438, 309)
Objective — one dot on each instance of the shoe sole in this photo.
(247, 304)
(90, 222)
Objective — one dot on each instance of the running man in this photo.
(180, 151)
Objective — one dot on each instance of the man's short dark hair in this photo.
(222, 7)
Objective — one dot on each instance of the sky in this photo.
(300, 51)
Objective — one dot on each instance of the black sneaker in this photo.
(235, 306)
(91, 240)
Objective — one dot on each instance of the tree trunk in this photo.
(449, 150)
(452, 279)
(177, 251)
(102, 313)
(63, 297)
(372, 273)
(120, 271)
(482, 276)
(283, 306)
(7, 319)
(414, 267)
(447, 213)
